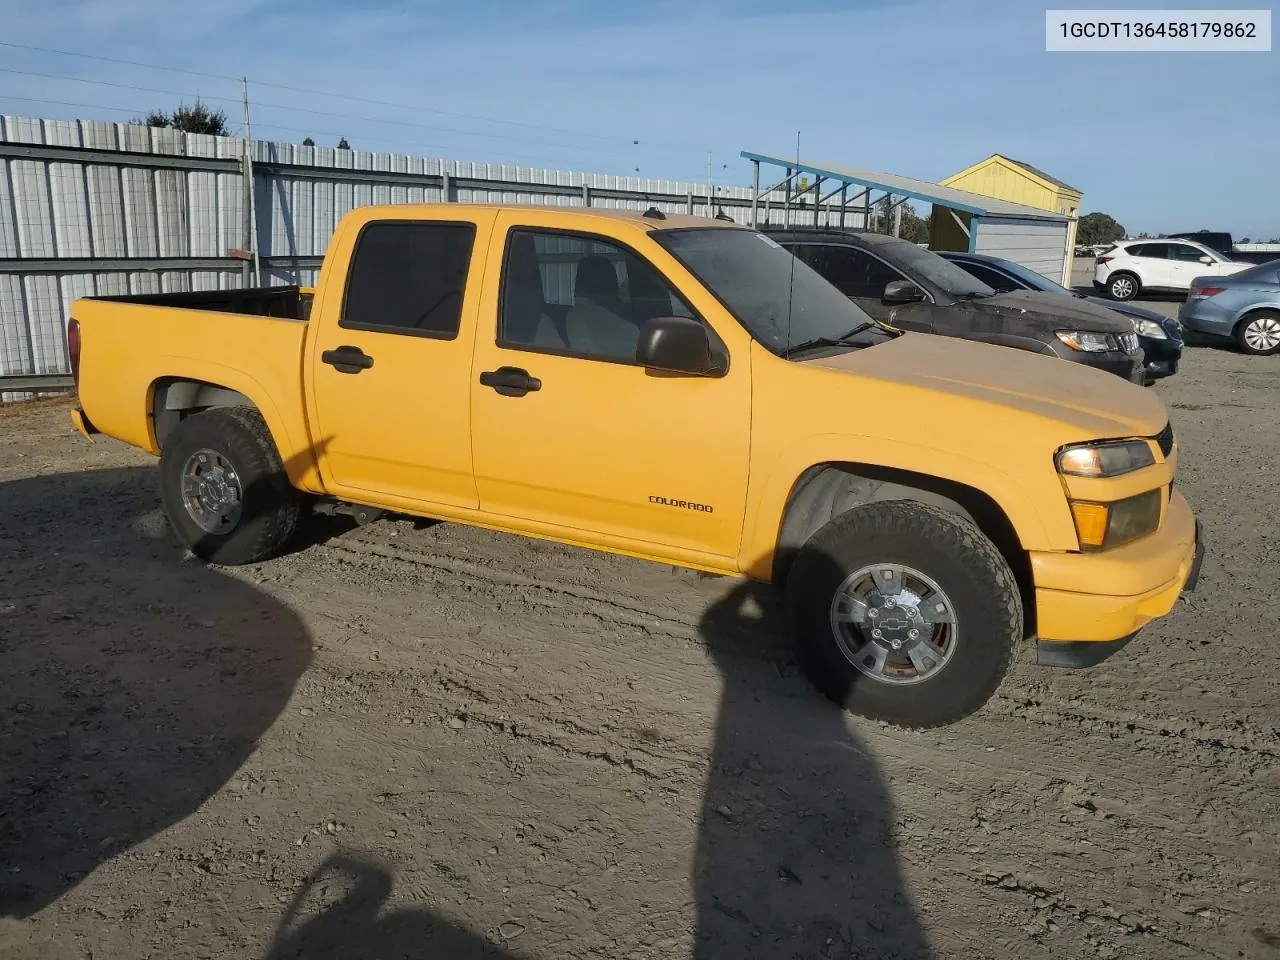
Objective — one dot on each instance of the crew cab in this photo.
(672, 388)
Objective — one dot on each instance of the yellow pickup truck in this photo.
(673, 388)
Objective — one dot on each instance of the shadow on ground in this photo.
(795, 854)
(133, 684)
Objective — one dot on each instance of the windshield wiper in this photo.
(840, 341)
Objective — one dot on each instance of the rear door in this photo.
(1153, 264)
(391, 366)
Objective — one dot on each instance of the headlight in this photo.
(1087, 342)
(1101, 525)
(1149, 328)
(1105, 459)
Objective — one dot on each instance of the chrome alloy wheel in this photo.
(894, 624)
(211, 491)
(1262, 334)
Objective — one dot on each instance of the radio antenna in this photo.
(791, 282)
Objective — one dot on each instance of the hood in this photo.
(1056, 311)
(1089, 404)
(1128, 310)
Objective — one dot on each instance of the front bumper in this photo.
(1115, 596)
(1161, 357)
(1127, 365)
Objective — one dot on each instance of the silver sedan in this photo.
(1243, 308)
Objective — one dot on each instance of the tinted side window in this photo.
(851, 271)
(568, 293)
(994, 279)
(409, 278)
(1154, 251)
(1182, 251)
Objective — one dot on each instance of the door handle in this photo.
(347, 359)
(510, 381)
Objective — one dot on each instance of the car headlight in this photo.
(1150, 329)
(1087, 342)
(1105, 459)
(1100, 525)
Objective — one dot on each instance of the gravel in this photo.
(433, 741)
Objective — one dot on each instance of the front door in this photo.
(391, 372)
(1186, 263)
(570, 433)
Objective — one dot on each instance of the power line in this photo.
(296, 109)
(330, 94)
(518, 158)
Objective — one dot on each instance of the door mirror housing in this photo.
(680, 345)
(901, 291)
(1206, 259)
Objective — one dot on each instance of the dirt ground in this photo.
(438, 743)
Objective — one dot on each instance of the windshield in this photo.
(952, 280)
(781, 301)
(1035, 281)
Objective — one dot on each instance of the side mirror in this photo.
(901, 291)
(679, 345)
(1206, 259)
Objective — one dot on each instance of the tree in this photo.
(308, 142)
(343, 145)
(913, 227)
(1097, 228)
(197, 119)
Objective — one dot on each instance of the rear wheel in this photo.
(904, 612)
(1259, 333)
(224, 488)
(1123, 286)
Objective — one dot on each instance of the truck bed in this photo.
(288, 303)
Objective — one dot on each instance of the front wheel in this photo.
(904, 612)
(1259, 333)
(224, 488)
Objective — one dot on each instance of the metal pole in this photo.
(817, 198)
(755, 190)
(844, 198)
(786, 201)
(250, 209)
(710, 212)
(897, 218)
(446, 187)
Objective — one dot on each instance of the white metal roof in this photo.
(923, 190)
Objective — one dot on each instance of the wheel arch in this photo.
(174, 398)
(1252, 312)
(827, 490)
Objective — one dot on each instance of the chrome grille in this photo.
(1130, 342)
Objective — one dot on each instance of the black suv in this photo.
(908, 287)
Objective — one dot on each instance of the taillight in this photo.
(73, 348)
(1199, 292)
(1102, 260)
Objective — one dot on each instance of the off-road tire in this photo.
(946, 547)
(1134, 287)
(1242, 328)
(271, 509)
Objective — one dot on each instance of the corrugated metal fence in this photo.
(93, 208)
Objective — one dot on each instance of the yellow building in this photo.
(1006, 179)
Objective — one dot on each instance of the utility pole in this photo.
(250, 213)
(710, 211)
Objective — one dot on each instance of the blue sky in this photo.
(918, 87)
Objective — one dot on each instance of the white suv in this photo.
(1166, 265)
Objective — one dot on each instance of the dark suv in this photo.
(908, 287)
